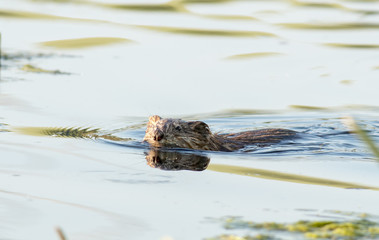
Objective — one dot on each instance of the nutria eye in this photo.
(178, 128)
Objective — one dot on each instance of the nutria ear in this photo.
(154, 118)
(200, 127)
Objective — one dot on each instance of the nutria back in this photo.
(176, 133)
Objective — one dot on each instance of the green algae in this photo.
(247, 237)
(355, 229)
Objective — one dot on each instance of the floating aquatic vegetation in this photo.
(228, 17)
(287, 177)
(23, 14)
(33, 15)
(164, 7)
(4, 127)
(24, 60)
(330, 26)
(247, 237)
(228, 113)
(205, 1)
(253, 55)
(31, 68)
(304, 107)
(28, 56)
(362, 228)
(208, 32)
(84, 42)
(352, 45)
(317, 4)
(331, 5)
(59, 132)
(346, 82)
(325, 75)
(113, 138)
(59, 1)
(73, 132)
(362, 1)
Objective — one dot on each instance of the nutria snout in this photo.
(176, 133)
(158, 135)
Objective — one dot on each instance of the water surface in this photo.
(80, 78)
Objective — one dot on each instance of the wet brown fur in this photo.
(176, 133)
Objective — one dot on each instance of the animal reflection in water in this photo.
(173, 160)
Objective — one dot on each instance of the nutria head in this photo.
(176, 133)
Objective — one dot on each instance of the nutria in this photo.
(176, 133)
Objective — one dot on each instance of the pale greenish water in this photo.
(71, 69)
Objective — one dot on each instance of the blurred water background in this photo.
(71, 67)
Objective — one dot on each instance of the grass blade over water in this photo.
(351, 123)
(287, 177)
